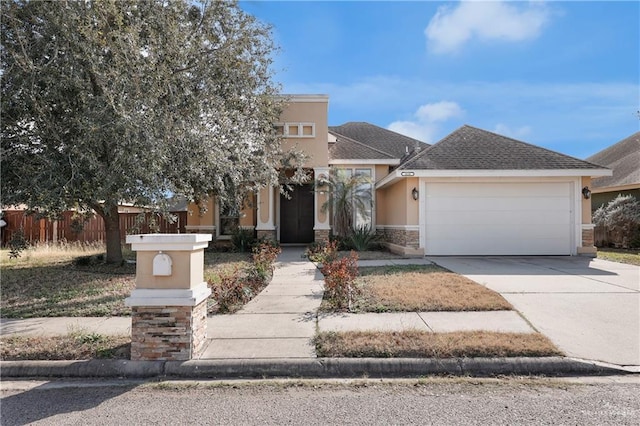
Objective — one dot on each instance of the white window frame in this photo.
(351, 171)
(219, 218)
(300, 125)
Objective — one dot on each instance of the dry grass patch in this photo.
(423, 288)
(74, 346)
(72, 280)
(52, 254)
(422, 344)
(64, 280)
(216, 263)
(372, 255)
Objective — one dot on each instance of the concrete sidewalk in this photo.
(282, 320)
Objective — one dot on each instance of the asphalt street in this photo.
(596, 401)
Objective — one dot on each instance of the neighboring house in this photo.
(624, 159)
(473, 193)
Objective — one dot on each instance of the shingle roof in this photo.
(378, 138)
(470, 148)
(347, 149)
(623, 158)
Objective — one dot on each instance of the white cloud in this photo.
(422, 131)
(440, 111)
(427, 117)
(450, 28)
(516, 133)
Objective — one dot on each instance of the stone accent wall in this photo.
(173, 333)
(588, 237)
(269, 235)
(402, 237)
(321, 235)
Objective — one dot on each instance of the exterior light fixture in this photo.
(323, 179)
(586, 192)
(415, 193)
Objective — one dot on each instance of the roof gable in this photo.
(470, 148)
(386, 141)
(623, 158)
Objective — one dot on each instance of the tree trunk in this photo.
(112, 228)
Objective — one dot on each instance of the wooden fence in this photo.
(70, 229)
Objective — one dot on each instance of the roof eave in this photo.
(381, 161)
(614, 188)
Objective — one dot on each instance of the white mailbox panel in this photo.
(162, 265)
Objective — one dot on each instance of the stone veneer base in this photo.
(168, 333)
(266, 234)
(321, 235)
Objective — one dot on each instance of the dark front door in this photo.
(296, 216)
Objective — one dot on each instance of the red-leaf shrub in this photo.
(339, 280)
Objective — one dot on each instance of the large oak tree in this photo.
(110, 101)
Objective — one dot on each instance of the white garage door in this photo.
(498, 218)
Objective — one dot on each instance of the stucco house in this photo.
(473, 193)
(623, 158)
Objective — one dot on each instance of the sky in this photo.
(562, 75)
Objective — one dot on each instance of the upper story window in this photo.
(296, 130)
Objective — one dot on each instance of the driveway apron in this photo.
(590, 308)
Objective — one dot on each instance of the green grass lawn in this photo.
(631, 257)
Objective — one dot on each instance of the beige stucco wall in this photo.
(195, 218)
(187, 271)
(395, 205)
(301, 110)
(380, 172)
(264, 206)
(413, 206)
(247, 214)
(322, 198)
(208, 218)
(586, 204)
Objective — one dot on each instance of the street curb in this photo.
(311, 368)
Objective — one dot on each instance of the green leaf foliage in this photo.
(109, 101)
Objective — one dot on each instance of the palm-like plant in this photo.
(347, 195)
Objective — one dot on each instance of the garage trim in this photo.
(575, 204)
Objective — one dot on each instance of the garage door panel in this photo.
(499, 204)
(475, 248)
(483, 190)
(495, 232)
(498, 218)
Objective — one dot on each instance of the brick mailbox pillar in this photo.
(169, 303)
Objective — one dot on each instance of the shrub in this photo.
(621, 218)
(17, 244)
(363, 238)
(235, 287)
(322, 251)
(242, 239)
(264, 256)
(339, 280)
(229, 290)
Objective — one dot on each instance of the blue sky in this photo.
(563, 75)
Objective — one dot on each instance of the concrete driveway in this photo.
(590, 308)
